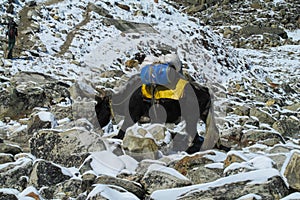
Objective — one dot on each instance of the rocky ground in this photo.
(51, 146)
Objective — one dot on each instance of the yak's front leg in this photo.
(211, 132)
(127, 123)
(197, 141)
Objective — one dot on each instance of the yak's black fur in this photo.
(196, 103)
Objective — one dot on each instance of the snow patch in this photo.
(167, 170)
(111, 192)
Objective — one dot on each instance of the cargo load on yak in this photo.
(159, 74)
(162, 71)
(162, 79)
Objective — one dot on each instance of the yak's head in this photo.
(103, 107)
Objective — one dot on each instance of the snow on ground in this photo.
(293, 196)
(99, 46)
(103, 45)
(111, 192)
(167, 170)
(107, 163)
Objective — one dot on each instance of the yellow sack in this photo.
(162, 92)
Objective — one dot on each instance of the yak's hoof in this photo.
(196, 146)
(223, 148)
(120, 135)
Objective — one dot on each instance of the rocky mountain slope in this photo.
(51, 144)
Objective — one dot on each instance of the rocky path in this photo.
(25, 41)
(64, 48)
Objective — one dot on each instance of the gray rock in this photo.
(62, 111)
(273, 187)
(88, 179)
(263, 116)
(279, 160)
(293, 107)
(19, 135)
(256, 30)
(288, 126)
(7, 196)
(45, 173)
(161, 177)
(144, 165)
(29, 90)
(5, 158)
(279, 149)
(40, 120)
(193, 167)
(143, 143)
(15, 174)
(251, 137)
(129, 27)
(100, 10)
(98, 194)
(242, 110)
(85, 109)
(292, 171)
(70, 188)
(130, 186)
(69, 148)
(9, 148)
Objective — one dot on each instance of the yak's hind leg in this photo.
(190, 112)
(212, 132)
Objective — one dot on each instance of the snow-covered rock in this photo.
(96, 46)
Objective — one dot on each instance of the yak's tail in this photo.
(211, 136)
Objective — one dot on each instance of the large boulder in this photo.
(29, 90)
(130, 186)
(288, 126)
(144, 143)
(5, 158)
(9, 148)
(8, 195)
(129, 27)
(104, 192)
(292, 170)
(15, 174)
(40, 120)
(267, 137)
(45, 174)
(196, 167)
(70, 188)
(256, 30)
(107, 163)
(69, 148)
(274, 188)
(266, 183)
(161, 177)
(263, 116)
